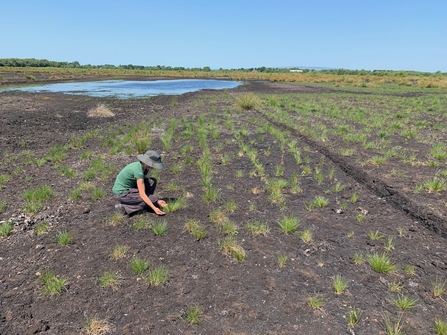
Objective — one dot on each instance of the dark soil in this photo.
(255, 296)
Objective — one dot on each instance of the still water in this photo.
(124, 89)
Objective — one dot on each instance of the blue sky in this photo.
(360, 34)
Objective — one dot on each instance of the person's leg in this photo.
(132, 201)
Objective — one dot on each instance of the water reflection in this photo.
(129, 89)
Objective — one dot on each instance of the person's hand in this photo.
(162, 203)
(158, 211)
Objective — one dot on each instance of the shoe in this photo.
(120, 209)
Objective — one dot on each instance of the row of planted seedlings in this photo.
(144, 269)
(379, 261)
(90, 171)
(71, 161)
(386, 127)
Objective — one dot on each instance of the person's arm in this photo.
(143, 195)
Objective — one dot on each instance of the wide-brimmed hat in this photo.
(151, 158)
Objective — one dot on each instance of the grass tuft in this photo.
(52, 284)
(381, 263)
(6, 228)
(64, 237)
(96, 326)
(339, 284)
(157, 275)
(196, 229)
(109, 279)
(230, 246)
(100, 111)
(289, 224)
(138, 265)
(248, 101)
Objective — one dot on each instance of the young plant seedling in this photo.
(193, 315)
(53, 285)
(109, 279)
(196, 229)
(410, 270)
(353, 317)
(282, 260)
(381, 263)
(306, 236)
(217, 216)
(211, 195)
(157, 275)
(316, 301)
(358, 258)
(439, 287)
(227, 228)
(138, 265)
(389, 243)
(257, 228)
(404, 302)
(375, 235)
(393, 327)
(159, 228)
(41, 228)
(289, 224)
(6, 228)
(230, 206)
(320, 202)
(64, 237)
(175, 205)
(116, 219)
(141, 223)
(339, 284)
(229, 246)
(119, 252)
(97, 326)
(440, 327)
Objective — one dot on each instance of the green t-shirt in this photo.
(127, 178)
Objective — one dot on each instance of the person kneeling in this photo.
(133, 187)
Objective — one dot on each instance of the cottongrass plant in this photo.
(353, 317)
(157, 275)
(289, 224)
(248, 101)
(339, 284)
(159, 228)
(257, 228)
(41, 228)
(306, 236)
(109, 279)
(119, 252)
(282, 260)
(6, 228)
(64, 237)
(440, 327)
(138, 265)
(316, 301)
(96, 326)
(53, 285)
(193, 315)
(231, 247)
(439, 287)
(175, 205)
(404, 302)
(196, 229)
(381, 263)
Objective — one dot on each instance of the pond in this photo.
(125, 89)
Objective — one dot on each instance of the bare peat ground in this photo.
(254, 296)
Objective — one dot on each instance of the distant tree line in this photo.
(32, 62)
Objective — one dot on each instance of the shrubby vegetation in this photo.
(32, 62)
